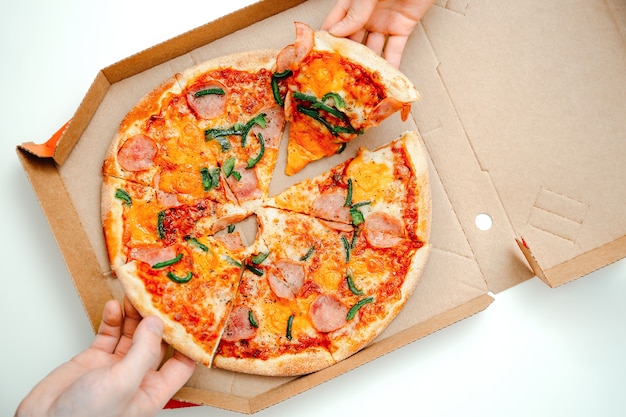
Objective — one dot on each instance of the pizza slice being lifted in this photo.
(333, 90)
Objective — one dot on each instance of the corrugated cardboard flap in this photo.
(523, 114)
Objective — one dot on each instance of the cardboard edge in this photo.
(196, 396)
(530, 258)
(375, 350)
(68, 233)
(578, 266)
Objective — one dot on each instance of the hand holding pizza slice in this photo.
(333, 90)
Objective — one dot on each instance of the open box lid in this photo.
(522, 117)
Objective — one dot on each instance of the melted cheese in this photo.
(370, 178)
(324, 76)
(328, 276)
(276, 315)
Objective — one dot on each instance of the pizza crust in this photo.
(243, 61)
(423, 201)
(284, 365)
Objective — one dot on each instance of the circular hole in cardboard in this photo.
(483, 221)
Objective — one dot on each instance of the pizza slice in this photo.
(391, 181)
(212, 131)
(190, 286)
(231, 98)
(332, 90)
(159, 144)
(272, 330)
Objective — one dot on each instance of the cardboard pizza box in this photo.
(522, 117)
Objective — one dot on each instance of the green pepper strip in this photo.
(336, 99)
(308, 254)
(210, 178)
(352, 286)
(256, 120)
(195, 242)
(316, 104)
(172, 261)
(355, 213)
(356, 216)
(206, 92)
(253, 161)
(252, 320)
(229, 169)
(124, 196)
(180, 280)
(228, 166)
(348, 202)
(315, 115)
(346, 247)
(260, 257)
(256, 271)
(220, 136)
(289, 326)
(335, 130)
(277, 76)
(352, 312)
(232, 261)
(355, 237)
(160, 226)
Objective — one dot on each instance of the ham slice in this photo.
(246, 187)
(239, 326)
(137, 153)
(207, 106)
(273, 129)
(383, 230)
(291, 55)
(287, 278)
(331, 206)
(153, 256)
(328, 313)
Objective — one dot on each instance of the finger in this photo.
(394, 49)
(355, 17)
(132, 318)
(376, 42)
(337, 13)
(110, 328)
(131, 321)
(143, 354)
(172, 376)
(359, 36)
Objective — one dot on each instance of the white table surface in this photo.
(535, 351)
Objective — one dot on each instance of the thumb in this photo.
(355, 15)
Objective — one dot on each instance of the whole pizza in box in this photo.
(335, 257)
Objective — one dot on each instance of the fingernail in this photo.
(155, 325)
(336, 27)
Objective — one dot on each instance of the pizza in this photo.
(332, 259)
(333, 90)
